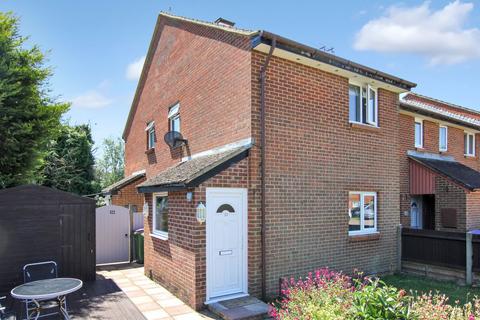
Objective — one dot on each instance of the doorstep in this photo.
(240, 309)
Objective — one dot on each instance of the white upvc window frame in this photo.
(173, 115)
(418, 145)
(155, 232)
(371, 121)
(363, 230)
(368, 117)
(440, 138)
(467, 147)
(150, 129)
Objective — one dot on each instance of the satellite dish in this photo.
(174, 139)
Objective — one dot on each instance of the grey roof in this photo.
(191, 173)
(119, 184)
(434, 110)
(459, 173)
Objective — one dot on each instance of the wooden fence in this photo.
(445, 249)
(453, 250)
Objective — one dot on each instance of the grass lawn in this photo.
(423, 285)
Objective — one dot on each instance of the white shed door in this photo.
(112, 234)
(226, 242)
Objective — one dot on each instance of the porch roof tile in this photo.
(459, 173)
(191, 173)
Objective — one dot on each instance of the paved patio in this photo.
(123, 293)
(153, 300)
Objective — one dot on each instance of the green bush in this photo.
(378, 301)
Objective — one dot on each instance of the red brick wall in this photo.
(179, 263)
(314, 158)
(129, 195)
(430, 145)
(450, 195)
(208, 72)
(473, 210)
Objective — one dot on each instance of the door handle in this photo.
(225, 252)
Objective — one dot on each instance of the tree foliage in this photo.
(69, 163)
(29, 117)
(110, 167)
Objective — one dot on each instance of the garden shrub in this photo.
(375, 300)
(326, 294)
(322, 295)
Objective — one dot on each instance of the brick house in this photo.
(290, 150)
(439, 178)
(124, 192)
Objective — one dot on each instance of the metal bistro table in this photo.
(37, 291)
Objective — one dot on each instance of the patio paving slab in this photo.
(153, 300)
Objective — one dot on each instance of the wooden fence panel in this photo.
(446, 249)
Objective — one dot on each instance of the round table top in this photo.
(46, 289)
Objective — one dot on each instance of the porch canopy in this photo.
(191, 173)
(422, 181)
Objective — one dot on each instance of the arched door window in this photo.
(225, 209)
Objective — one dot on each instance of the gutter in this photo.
(263, 75)
(333, 60)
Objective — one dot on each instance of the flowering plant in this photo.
(327, 294)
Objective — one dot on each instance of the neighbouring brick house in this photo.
(439, 178)
(292, 150)
(124, 192)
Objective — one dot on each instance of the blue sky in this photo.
(92, 43)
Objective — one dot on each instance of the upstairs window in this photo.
(174, 118)
(469, 143)
(150, 130)
(443, 138)
(362, 212)
(363, 104)
(418, 133)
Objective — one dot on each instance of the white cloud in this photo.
(134, 69)
(440, 36)
(92, 99)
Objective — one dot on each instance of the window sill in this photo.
(163, 237)
(363, 126)
(363, 237)
(150, 151)
(469, 156)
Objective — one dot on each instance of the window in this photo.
(469, 143)
(150, 129)
(174, 118)
(160, 215)
(443, 138)
(418, 133)
(363, 106)
(362, 210)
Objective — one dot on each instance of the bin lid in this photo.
(138, 231)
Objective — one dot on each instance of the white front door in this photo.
(226, 242)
